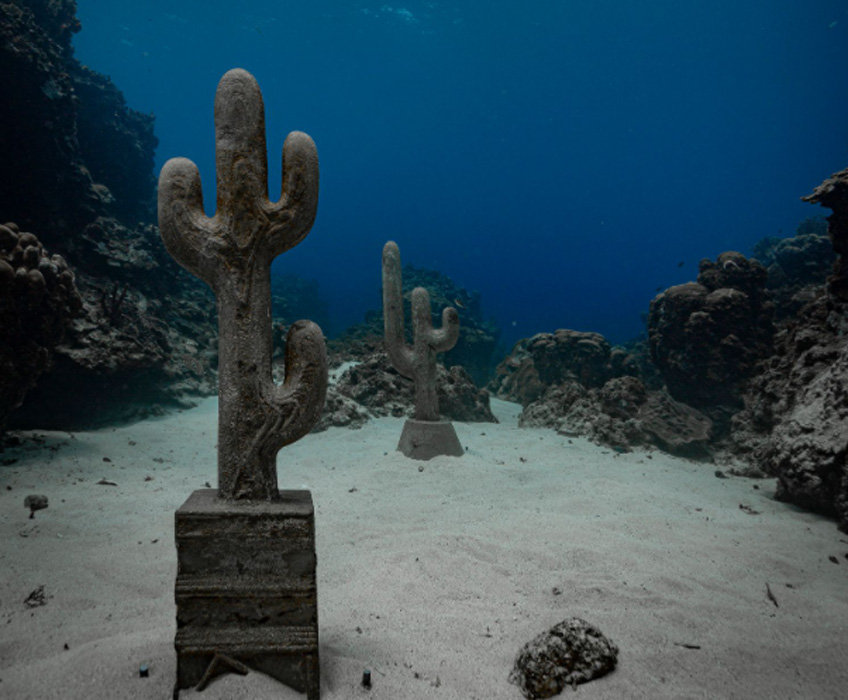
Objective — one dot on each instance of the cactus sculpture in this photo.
(424, 436)
(232, 253)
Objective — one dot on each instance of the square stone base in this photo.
(424, 439)
(246, 589)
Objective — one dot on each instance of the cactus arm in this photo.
(186, 230)
(445, 337)
(300, 399)
(292, 216)
(400, 354)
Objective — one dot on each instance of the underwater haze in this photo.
(565, 159)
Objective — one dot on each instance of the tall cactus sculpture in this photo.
(232, 253)
(424, 436)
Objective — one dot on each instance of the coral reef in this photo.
(797, 267)
(707, 336)
(88, 189)
(548, 359)
(795, 423)
(38, 299)
(87, 153)
(833, 194)
(578, 384)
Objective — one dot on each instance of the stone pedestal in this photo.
(246, 590)
(424, 439)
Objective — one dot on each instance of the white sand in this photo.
(433, 579)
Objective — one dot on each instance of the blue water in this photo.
(561, 157)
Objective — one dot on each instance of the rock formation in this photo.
(578, 384)
(795, 424)
(143, 338)
(707, 336)
(38, 299)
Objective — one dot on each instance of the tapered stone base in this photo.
(424, 439)
(246, 590)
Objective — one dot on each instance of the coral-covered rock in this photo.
(144, 339)
(707, 336)
(579, 385)
(795, 424)
(87, 153)
(38, 299)
(570, 653)
(797, 266)
(548, 359)
(146, 331)
(375, 384)
(622, 414)
(833, 194)
(459, 397)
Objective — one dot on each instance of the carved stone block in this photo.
(246, 589)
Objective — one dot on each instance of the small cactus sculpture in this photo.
(424, 436)
(232, 253)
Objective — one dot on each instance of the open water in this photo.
(566, 159)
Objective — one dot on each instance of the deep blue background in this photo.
(560, 157)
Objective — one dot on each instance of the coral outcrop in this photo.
(795, 424)
(707, 336)
(549, 359)
(144, 338)
(38, 299)
(578, 384)
(87, 153)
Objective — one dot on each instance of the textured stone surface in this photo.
(833, 194)
(425, 439)
(579, 385)
(622, 414)
(246, 587)
(796, 266)
(86, 152)
(232, 252)
(570, 653)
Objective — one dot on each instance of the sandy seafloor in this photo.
(432, 578)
